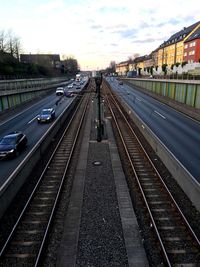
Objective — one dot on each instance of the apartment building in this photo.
(172, 51)
(192, 47)
(122, 68)
(183, 46)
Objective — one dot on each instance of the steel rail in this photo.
(28, 203)
(139, 184)
(61, 184)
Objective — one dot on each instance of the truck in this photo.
(78, 78)
(132, 74)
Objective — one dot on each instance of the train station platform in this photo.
(100, 227)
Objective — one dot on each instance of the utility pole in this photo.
(98, 81)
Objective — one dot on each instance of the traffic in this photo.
(175, 130)
(38, 118)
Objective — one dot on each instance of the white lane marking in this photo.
(11, 118)
(32, 119)
(160, 114)
(138, 99)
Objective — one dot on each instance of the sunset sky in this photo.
(96, 32)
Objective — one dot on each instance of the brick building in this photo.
(46, 60)
(192, 48)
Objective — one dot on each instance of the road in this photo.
(26, 121)
(179, 133)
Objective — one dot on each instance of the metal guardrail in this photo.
(183, 91)
(11, 86)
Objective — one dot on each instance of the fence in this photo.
(187, 92)
(15, 92)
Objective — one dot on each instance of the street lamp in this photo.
(98, 81)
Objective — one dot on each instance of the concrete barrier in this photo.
(186, 181)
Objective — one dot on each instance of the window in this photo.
(185, 54)
(191, 52)
(186, 46)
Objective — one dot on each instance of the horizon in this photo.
(95, 33)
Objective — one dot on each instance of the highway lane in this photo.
(179, 133)
(26, 121)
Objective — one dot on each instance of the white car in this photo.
(60, 91)
(70, 85)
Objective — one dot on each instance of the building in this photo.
(148, 61)
(139, 64)
(155, 58)
(172, 51)
(47, 60)
(192, 47)
(122, 68)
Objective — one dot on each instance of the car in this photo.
(46, 115)
(11, 144)
(78, 86)
(69, 93)
(120, 82)
(70, 85)
(60, 91)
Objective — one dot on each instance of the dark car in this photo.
(120, 82)
(12, 144)
(46, 115)
(78, 85)
(69, 93)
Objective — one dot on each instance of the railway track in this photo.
(176, 241)
(26, 242)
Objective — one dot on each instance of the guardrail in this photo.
(15, 92)
(11, 86)
(184, 91)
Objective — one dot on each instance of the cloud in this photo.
(113, 9)
(96, 27)
(146, 40)
(115, 45)
(96, 31)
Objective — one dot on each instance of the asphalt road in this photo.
(179, 133)
(26, 121)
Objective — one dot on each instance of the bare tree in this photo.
(112, 65)
(135, 55)
(70, 65)
(2, 40)
(10, 43)
(16, 48)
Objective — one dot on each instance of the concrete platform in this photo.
(100, 228)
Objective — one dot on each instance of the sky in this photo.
(96, 32)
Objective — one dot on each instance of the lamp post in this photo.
(98, 81)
